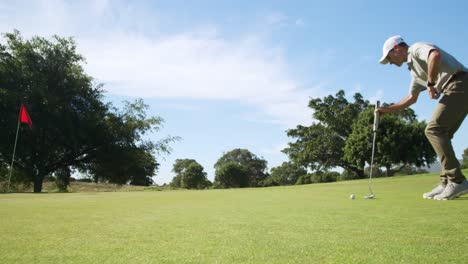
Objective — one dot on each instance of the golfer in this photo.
(439, 73)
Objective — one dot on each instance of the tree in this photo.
(304, 179)
(317, 148)
(189, 175)
(411, 170)
(325, 176)
(465, 159)
(342, 137)
(127, 157)
(320, 146)
(255, 167)
(62, 179)
(180, 165)
(64, 106)
(318, 177)
(72, 127)
(176, 181)
(347, 175)
(231, 174)
(286, 174)
(194, 177)
(400, 142)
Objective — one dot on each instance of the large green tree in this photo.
(72, 126)
(286, 174)
(400, 142)
(342, 137)
(231, 174)
(189, 175)
(128, 157)
(320, 146)
(64, 105)
(256, 167)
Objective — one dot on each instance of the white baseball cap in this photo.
(388, 46)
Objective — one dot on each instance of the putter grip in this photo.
(376, 117)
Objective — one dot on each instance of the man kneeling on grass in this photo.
(439, 73)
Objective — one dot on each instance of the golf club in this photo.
(374, 130)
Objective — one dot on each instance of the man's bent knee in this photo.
(431, 130)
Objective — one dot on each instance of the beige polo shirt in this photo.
(417, 63)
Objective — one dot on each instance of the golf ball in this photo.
(352, 197)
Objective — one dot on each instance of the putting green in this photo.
(296, 224)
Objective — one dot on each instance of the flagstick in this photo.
(13, 158)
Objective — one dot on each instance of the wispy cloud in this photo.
(199, 64)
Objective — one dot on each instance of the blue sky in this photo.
(238, 74)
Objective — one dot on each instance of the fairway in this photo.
(297, 224)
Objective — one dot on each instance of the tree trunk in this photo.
(38, 179)
(388, 167)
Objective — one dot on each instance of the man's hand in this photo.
(404, 103)
(379, 111)
(433, 94)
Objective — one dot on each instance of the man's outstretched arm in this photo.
(404, 103)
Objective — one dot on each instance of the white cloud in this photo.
(100, 6)
(200, 64)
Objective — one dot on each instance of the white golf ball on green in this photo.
(352, 197)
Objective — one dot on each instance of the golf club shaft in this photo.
(374, 131)
(372, 163)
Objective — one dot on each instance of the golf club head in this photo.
(370, 196)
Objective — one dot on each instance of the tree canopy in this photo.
(400, 142)
(286, 174)
(72, 126)
(320, 146)
(255, 167)
(189, 175)
(342, 137)
(231, 174)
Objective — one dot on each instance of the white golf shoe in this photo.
(437, 190)
(453, 190)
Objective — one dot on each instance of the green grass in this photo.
(297, 224)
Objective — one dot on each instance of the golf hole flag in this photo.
(24, 116)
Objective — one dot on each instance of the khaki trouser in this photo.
(446, 119)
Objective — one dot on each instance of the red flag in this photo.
(24, 116)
